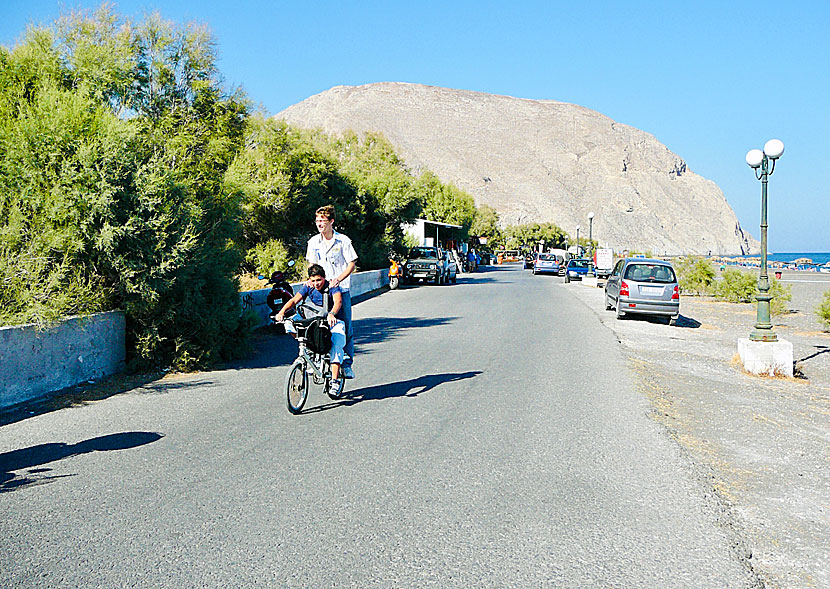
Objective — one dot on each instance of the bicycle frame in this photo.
(319, 362)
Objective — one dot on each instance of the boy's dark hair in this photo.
(326, 211)
(316, 270)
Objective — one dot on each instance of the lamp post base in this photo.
(763, 334)
(766, 358)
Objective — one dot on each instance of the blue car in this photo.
(576, 269)
(545, 264)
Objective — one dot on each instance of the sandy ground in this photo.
(762, 444)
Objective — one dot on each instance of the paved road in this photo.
(493, 438)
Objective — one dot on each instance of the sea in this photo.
(818, 258)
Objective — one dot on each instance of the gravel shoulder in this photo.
(763, 444)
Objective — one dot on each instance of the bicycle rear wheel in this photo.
(296, 387)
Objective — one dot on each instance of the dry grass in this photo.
(251, 282)
(777, 374)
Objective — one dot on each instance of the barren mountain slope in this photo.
(539, 161)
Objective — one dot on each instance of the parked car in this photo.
(529, 261)
(425, 263)
(545, 264)
(451, 269)
(576, 268)
(645, 286)
(562, 257)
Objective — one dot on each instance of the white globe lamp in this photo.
(754, 157)
(774, 148)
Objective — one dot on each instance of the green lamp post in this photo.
(578, 250)
(763, 162)
(590, 244)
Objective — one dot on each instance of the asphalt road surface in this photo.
(492, 438)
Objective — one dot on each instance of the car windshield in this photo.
(422, 252)
(547, 257)
(578, 263)
(658, 273)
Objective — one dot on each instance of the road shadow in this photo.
(78, 395)
(380, 329)
(404, 388)
(272, 349)
(35, 456)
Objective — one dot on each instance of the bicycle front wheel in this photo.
(296, 387)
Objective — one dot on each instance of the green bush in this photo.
(781, 295)
(266, 258)
(695, 275)
(823, 311)
(736, 286)
(114, 140)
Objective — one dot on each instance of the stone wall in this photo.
(35, 362)
(363, 285)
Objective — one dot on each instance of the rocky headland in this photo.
(541, 161)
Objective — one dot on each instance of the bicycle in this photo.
(296, 381)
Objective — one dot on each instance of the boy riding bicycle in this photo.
(325, 301)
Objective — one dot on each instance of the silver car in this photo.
(645, 286)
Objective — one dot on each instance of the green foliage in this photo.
(695, 275)
(445, 203)
(129, 178)
(516, 236)
(486, 224)
(735, 286)
(823, 311)
(781, 295)
(272, 255)
(114, 139)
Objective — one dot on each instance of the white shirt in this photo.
(333, 255)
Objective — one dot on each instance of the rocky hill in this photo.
(541, 161)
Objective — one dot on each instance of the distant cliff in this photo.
(540, 161)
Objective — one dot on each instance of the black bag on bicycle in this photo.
(318, 336)
(318, 333)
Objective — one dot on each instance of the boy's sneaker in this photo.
(348, 372)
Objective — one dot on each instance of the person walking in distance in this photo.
(335, 253)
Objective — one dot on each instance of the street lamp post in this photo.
(590, 243)
(578, 251)
(763, 162)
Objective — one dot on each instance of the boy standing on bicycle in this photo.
(334, 252)
(317, 293)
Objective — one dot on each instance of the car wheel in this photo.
(620, 312)
(454, 279)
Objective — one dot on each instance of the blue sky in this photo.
(710, 80)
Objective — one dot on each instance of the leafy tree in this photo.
(517, 236)
(445, 203)
(114, 139)
(486, 224)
